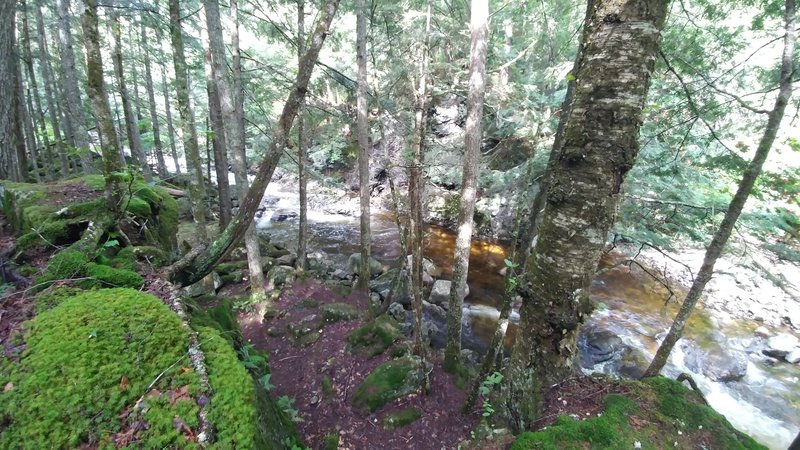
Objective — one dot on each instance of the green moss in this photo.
(330, 441)
(400, 418)
(84, 209)
(232, 277)
(139, 207)
(51, 232)
(336, 312)
(219, 316)
(327, 387)
(108, 276)
(374, 337)
(86, 361)
(233, 407)
(229, 267)
(144, 253)
(308, 303)
(389, 381)
(53, 297)
(67, 264)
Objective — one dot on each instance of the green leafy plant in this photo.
(286, 404)
(250, 360)
(486, 387)
(264, 382)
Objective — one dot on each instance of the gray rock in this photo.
(429, 331)
(440, 292)
(397, 312)
(435, 312)
(761, 332)
(717, 362)
(781, 345)
(354, 264)
(632, 364)
(598, 345)
(794, 356)
(280, 275)
(383, 284)
(286, 260)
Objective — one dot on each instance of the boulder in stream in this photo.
(717, 362)
(354, 263)
(440, 292)
(383, 284)
(598, 345)
(781, 345)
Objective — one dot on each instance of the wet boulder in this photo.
(428, 267)
(598, 345)
(354, 265)
(383, 284)
(717, 362)
(781, 346)
(632, 363)
(440, 292)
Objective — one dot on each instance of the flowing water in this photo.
(631, 305)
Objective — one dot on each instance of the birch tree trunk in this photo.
(469, 184)
(190, 146)
(112, 164)
(151, 101)
(749, 178)
(47, 79)
(199, 264)
(131, 122)
(362, 129)
(600, 146)
(74, 105)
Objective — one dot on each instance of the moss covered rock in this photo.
(336, 312)
(389, 381)
(374, 337)
(400, 418)
(657, 413)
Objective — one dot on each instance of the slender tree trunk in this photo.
(600, 146)
(415, 186)
(362, 127)
(508, 29)
(20, 118)
(469, 184)
(749, 178)
(170, 127)
(302, 153)
(37, 112)
(190, 147)
(131, 123)
(219, 144)
(200, 263)
(30, 133)
(112, 164)
(135, 99)
(74, 105)
(48, 81)
(151, 101)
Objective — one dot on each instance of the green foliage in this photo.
(53, 297)
(389, 381)
(485, 388)
(68, 384)
(375, 336)
(67, 264)
(286, 404)
(49, 233)
(330, 441)
(400, 418)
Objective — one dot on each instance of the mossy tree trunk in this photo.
(600, 146)
(415, 187)
(302, 152)
(47, 80)
(190, 147)
(479, 29)
(112, 164)
(749, 178)
(198, 264)
(131, 121)
(74, 105)
(362, 130)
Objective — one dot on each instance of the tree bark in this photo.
(219, 144)
(30, 127)
(170, 125)
(415, 187)
(7, 87)
(74, 105)
(190, 146)
(112, 164)
(37, 112)
(302, 152)
(600, 146)
(20, 147)
(362, 129)
(131, 122)
(188, 272)
(48, 81)
(749, 178)
(469, 184)
(151, 101)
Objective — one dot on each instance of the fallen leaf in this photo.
(8, 387)
(180, 394)
(124, 383)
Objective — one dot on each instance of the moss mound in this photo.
(88, 360)
(336, 312)
(657, 413)
(400, 418)
(389, 381)
(374, 337)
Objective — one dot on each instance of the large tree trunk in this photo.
(362, 129)
(37, 112)
(600, 146)
(749, 178)
(48, 81)
(302, 156)
(151, 100)
(469, 184)
(190, 270)
(219, 144)
(190, 147)
(112, 164)
(131, 122)
(74, 105)
(416, 184)
(7, 87)
(21, 152)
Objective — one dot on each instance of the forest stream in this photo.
(619, 338)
